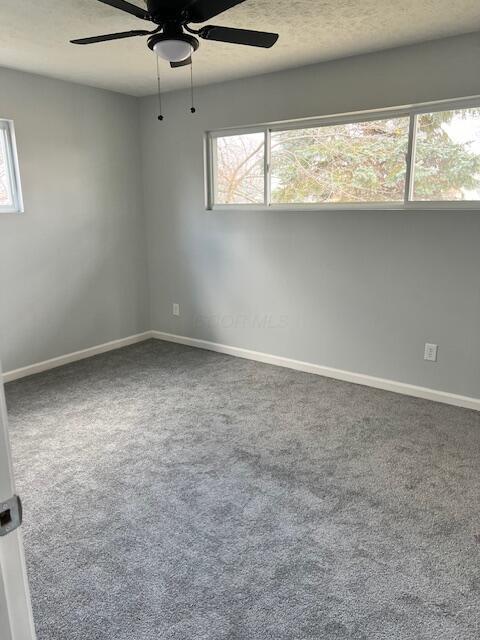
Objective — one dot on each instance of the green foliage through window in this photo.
(447, 157)
(357, 162)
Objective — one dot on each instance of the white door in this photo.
(16, 622)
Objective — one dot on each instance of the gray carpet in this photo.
(173, 493)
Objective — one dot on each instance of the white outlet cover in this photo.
(431, 351)
(176, 309)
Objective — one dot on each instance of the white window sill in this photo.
(411, 207)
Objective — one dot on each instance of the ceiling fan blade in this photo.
(239, 36)
(182, 63)
(201, 10)
(110, 36)
(128, 7)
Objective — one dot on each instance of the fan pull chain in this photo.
(192, 109)
(159, 88)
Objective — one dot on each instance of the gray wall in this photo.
(359, 291)
(72, 267)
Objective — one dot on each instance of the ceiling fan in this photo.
(172, 17)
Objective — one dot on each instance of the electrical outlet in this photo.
(430, 352)
(176, 309)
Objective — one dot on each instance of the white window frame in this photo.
(13, 171)
(408, 203)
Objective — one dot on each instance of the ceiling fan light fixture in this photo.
(173, 50)
(174, 47)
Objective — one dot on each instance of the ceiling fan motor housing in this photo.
(162, 11)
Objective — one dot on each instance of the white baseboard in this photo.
(38, 367)
(279, 361)
(328, 372)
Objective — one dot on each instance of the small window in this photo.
(358, 162)
(239, 169)
(10, 194)
(447, 156)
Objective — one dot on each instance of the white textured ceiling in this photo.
(34, 37)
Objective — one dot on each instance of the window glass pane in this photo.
(6, 198)
(357, 162)
(239, 169)
(447, 158)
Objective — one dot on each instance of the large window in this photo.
(10, 194)
(356, 162)
(414, 157)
